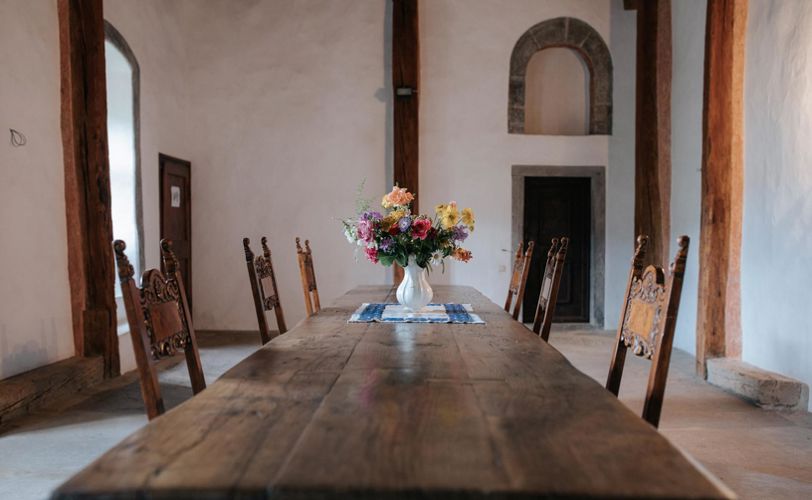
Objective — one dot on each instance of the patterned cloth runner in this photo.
(432, 313)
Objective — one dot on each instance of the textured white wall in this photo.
(466, 153)
(620, 179)
(687, 87)
(777, 226)
(153, 30)
(35, 316)
(289, 117)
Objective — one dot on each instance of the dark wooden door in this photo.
(176, 213)
(553, 207)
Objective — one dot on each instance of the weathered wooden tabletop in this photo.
(332, 409)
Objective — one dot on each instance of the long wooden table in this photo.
(337, 410)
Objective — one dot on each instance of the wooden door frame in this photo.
(162, 158)
(597, 255)
(91, 269)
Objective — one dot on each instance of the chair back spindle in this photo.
(160, 322)
(309, 286)
(550, 283)
(263, 288)
(518, 278)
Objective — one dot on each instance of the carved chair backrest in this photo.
(160, 322)
(263, 288)
(647, 323)
(550, 283)
(518, 278)
(309, 287)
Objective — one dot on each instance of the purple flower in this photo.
(404, 224)
(371, 215)
(386, 244)
(460, 233)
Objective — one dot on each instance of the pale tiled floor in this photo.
(759, 454)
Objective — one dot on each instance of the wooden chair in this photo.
(550, 282)
(308, 277)
(263, 288)
(518, 280)
(160, 323)
(647, 323)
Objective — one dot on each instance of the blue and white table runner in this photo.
(432, 313)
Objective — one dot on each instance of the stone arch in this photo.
(574, 34)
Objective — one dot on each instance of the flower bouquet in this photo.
(415, 242)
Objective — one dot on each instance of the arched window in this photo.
(551, 57)
(122, 74)
(556, 93)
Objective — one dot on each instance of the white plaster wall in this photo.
(466, 153)
(620, 178)
(289, 117)
(777, 226)
(687, 86)
(35, 315)
(154, 31)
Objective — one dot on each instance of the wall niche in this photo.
(560, 80)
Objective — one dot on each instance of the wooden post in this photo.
(718, 316)
(87, 181)
(652, 180)
(406, 84)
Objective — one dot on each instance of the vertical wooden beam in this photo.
(406, 84)
(652, 181)
(87, 180)
(718, 315)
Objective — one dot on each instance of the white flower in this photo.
(350, 236)
(436, 258)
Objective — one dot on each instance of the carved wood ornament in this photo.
(647, 323)
(160, 322)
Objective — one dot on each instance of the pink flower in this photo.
(365, 232)
(420, 228)
(372, 254)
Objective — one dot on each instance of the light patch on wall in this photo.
(556, 93)
(121, 140)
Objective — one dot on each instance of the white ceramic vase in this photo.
(414, 292)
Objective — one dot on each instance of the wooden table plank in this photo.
(333, 409)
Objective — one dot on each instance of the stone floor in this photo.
(759, 454)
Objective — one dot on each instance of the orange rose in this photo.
(399, 197)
